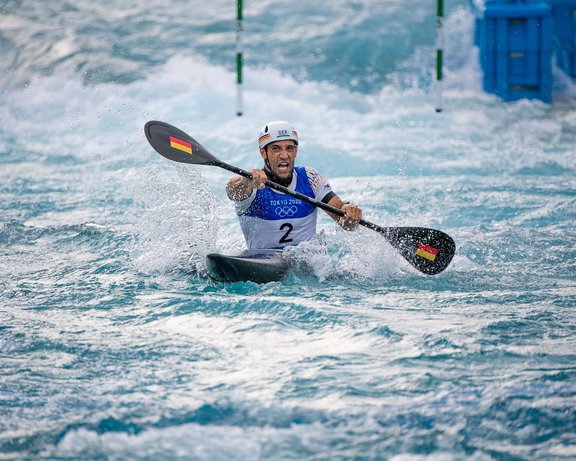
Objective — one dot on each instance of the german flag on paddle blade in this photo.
(179, 144)
(427, 252)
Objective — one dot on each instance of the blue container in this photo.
(564, 20)
(515, 41)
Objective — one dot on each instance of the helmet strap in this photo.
(267, 166)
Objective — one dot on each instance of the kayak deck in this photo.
(260, 266)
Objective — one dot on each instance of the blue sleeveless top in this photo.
(275, 220)
(272, 205)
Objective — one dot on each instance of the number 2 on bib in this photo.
(289, 228)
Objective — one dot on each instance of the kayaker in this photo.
(271, 219)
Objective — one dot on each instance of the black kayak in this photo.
(260, 266)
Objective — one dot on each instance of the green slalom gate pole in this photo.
(439, 53)
(239, 58)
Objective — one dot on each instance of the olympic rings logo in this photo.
(286, 211)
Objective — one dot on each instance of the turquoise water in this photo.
(114, 344)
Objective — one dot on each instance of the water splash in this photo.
(177, 223)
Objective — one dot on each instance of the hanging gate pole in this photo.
(239, 58)
(439, 53)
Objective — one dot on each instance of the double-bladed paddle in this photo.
(428, 250)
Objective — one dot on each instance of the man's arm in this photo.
(353, 213)
(240, 188)
(323, 192)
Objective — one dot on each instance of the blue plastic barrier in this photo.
(515, 41)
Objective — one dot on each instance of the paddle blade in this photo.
(428, 250)
(176, 145)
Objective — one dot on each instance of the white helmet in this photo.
(277, 131)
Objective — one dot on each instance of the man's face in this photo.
(281, 156)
